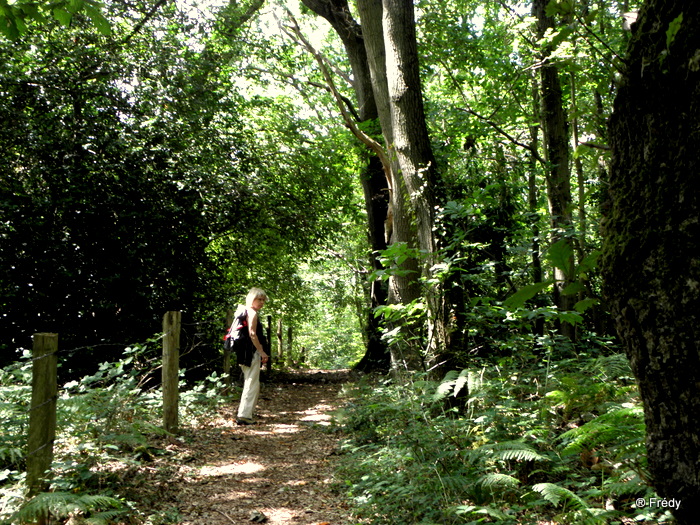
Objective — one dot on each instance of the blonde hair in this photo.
(253, 294)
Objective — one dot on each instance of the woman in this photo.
(251, 374)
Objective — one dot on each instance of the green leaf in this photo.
(673, 29)
(518, 299)
(589, 262)
(555, 493)
(560, 255)
(495, 480)
(573, 288)
(559, 7)
(562, 36)
(98, 19)
(63, 16)
(585, 304)
(75, 5)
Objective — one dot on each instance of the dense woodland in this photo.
(488, 208)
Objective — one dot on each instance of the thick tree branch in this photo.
(368, 141)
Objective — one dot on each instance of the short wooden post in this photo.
(268, 333)
(42, 417)
(279, 341)
(227, 353)
(172, 322)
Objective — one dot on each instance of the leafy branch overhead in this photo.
(17, 17)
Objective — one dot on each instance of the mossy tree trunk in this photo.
(651, 258)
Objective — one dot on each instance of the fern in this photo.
(510, 451)
(452, 383)
(107, 517)
(64, 504)
(554, 494)
(481, 511)
(475, 382)
(624, 426)
(612, 367)
(583, 513)
(11, 456)
(498, 481)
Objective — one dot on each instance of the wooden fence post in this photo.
(279, 341)
(172, 322)
(268, 333)
(227, 353)
(42, 417)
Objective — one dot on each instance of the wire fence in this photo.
(46, 391)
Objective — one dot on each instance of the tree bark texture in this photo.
(400, 224)
(651, 256)
(390, 40)
(410, 132)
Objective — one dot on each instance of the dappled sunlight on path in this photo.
(278, 470)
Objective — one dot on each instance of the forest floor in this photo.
(278, 471)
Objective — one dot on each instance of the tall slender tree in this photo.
(389, 29)
(557, 155)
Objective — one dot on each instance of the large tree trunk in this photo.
(390, 40)
(558, 173)
(651, 258)
(410, 132)
(404, 285)
(373, 178)
(414, 151)
(400, 227)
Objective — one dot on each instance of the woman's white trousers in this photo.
(251, 388)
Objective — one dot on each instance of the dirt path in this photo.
(278, 471)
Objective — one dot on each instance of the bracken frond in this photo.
(555, 494)
(510, 451)
(498, 481)
(63, 504)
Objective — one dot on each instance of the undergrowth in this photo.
(507, 442)
(109, 426)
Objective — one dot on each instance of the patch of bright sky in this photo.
(315, 29)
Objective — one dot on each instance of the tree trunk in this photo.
(373, 178)
(404, 286)
(400, 225)
(390, 40)
(651, 258)
(410, 131)
(558, 173)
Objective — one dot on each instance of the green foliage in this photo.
(96, 510)
(147, 181)
(17, 16)
(513, 442)
(107, 423)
